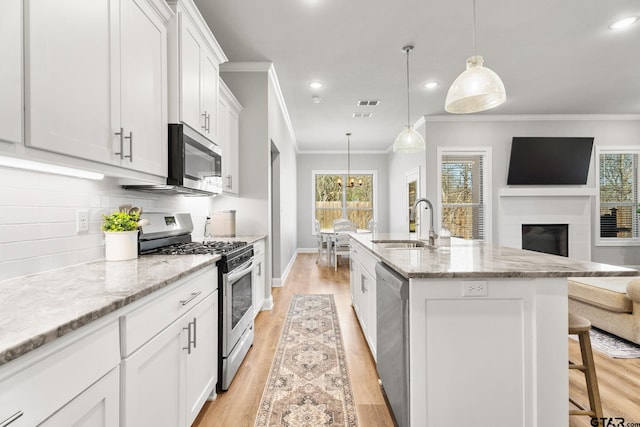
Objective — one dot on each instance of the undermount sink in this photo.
(399, 244)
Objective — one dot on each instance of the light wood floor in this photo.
(619, 379)
(238, 406)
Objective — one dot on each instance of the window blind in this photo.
(462, 190)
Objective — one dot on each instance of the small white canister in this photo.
(223, 224)
(121, 245)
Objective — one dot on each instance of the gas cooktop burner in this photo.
(197, 248)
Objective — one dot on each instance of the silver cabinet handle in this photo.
(260, 269)
(229, 181)
(11, 419)
(188, 347)
(191, 336)
(188, 300)
(208, 122)
(204, 117)
(121, 134)
(195, 335)
(130, 138)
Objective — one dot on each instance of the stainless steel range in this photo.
(170, 234)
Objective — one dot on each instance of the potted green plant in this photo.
(121, 233)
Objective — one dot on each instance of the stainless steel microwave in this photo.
(194, 163)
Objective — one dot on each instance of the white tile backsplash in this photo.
(38, 218)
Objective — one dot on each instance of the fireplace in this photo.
(547, 206)
(548, 238)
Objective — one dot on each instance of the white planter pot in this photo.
(121, 246)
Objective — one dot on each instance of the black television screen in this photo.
(549, 161)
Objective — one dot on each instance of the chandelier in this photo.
(351, 182)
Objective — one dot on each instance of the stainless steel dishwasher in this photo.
(392, 322)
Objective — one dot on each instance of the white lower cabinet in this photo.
(167, 379)
(71, 381)
(363, 291)
(201, 363)
(259, 277)
(98, 406)
(153, 363)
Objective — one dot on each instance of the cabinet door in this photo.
(152, 381)
(68, 76)
(232, 152)
(354, 281)
(143, 104)
(202, 361)
(191, 49)
(210, 95)
(98, 406)
(259, 284)
(229, 139)
(11, 71)
(369, 287)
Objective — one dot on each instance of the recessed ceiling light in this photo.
(315, 85)
(431, 85)
(623, 23)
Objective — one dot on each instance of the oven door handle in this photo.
(240, 271)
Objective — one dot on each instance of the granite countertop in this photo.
(467, 259)
(39, 308)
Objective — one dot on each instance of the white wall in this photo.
(284, 196)
(497, 132)
(316, 161)
(263, 122)
(38, 214)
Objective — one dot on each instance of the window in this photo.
(463, 197)
(332, 200)
(618, 196)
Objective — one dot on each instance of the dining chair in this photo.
(322, 243)
(341, 239)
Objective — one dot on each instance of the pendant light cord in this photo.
(474, 28)
(348, 159)
(408, 48)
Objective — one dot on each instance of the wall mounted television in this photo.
(549, 160)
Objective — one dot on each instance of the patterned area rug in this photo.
(308, 385)
(612, 345)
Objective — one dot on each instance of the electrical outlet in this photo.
(82, 221)
(475, 288)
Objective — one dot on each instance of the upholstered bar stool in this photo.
(580, 326)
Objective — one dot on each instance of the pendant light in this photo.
(351, 182)
(477, 88)
(408, 141)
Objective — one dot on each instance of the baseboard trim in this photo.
(278, 282)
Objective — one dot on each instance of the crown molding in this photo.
(532, 117)
(246, 67)
(269, 68)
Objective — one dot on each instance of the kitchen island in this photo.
(485, 335)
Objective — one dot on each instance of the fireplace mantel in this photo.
(547, 205)
(546, 191)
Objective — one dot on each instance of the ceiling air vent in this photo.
(368, 103)
(362, 115)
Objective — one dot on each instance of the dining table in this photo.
(328, 236)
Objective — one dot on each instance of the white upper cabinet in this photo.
(96, 85)
(229, 139)
(194, 60)
(11, 71)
